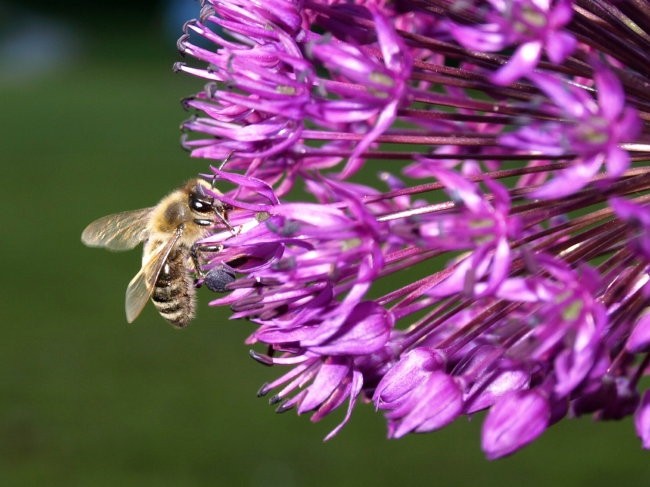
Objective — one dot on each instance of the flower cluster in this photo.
(440, 207)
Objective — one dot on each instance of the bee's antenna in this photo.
(222, 218)
(226, 160)
(221, 214)
(221, 165)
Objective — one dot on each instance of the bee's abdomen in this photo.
(174, 292)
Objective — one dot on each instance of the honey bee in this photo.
(169, 232)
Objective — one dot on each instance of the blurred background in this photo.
(89, 116)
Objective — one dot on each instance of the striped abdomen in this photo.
(174, 293)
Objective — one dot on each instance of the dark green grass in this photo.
(87, 400)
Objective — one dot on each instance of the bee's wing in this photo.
(120, 231)
(142, 285)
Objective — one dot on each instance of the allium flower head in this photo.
(439, 207)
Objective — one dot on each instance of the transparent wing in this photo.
(142, 285)
(120, 231)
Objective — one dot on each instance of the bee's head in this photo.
(201, 203)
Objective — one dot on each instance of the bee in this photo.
(169, 232)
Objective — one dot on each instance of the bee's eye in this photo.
(199, 205)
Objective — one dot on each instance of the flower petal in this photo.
(513, 422)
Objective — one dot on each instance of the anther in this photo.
(206, 12)
(180, 43)
(263, 359)
(186, 26)
(264, 390)
(283, 408)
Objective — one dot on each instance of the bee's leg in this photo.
(217, 278)
(195, 261)
(194, 254)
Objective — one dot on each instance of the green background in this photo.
(87, 400)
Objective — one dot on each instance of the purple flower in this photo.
(642, 421)
(529, 26)
(417, 395)
(597, 129)
(514, 421)
(639, 340)
(500, 260)
(637, 217)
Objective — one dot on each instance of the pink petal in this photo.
(642, 420)
(514, 421)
